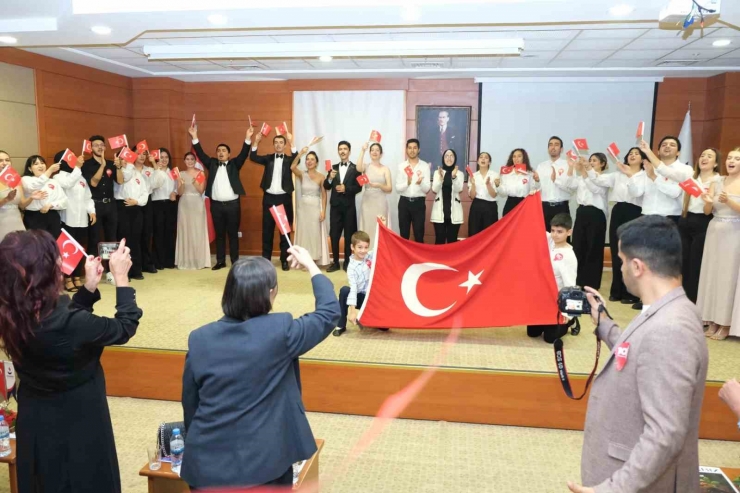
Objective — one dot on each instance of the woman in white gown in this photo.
(375, 195)
(311, 211)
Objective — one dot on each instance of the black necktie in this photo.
(279, 156)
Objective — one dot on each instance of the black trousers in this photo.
(268, 223)
(226, 217)
(551, 332)
(105, 227)
(550, 210)
(589, 235)
(49, 222)
(693, 229)
(622, 213)
(342, 218)
(164, 214)
(344, 308)
(412, 212)
(511, 202)
(483, 213)
(147, 233)
(131, 227)
(445, 232)
(79, 234)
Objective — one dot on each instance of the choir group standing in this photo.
(102, 200)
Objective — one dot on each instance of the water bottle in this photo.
(4, 438)
(177, 447)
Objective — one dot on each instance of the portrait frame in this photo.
(457, 133)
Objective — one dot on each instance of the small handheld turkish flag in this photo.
(506, 170)
(521, 169)
(409, 171)
(174, 173)
(70, 250)
(363, 179)
(281, 219)
(155, 154)
(281, 129)
(640, 131)
(375, 136)
(200, 178)
(10, 177)
(613, 149)
(691, 187)
(580, 145)
(128, 155)
(572, 155)
(327, 163)
(142, 146)
(266, 129)
(118, 141)
(469, 170)
(69, 158)
(86, 147)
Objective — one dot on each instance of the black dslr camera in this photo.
(572, 301)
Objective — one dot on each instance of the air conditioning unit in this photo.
(674, 14)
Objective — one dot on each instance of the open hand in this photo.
(536, 176)
(497, 182)
(93, 218)
(300, 257)
(454, 173)
(730, 394)
(708, 199)
(130, 202)
(38, 195)
(45, 209)
(552, 174)
(11, 195)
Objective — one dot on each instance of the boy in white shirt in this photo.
(565, 268)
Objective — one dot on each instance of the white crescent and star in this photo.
(410, 280)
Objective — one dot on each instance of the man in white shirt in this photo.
(412, 184)
(555, 197)
(224, 187)
(277, 188)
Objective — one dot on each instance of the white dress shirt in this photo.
(162, 185)
(660, 197)
(413, 190)
(552, 191)
(222, 190)
(617, 183)
(343, 167)
(56, 196)
(134, 186)
(588, 193)
(276, 184)
(518, 185)
(481, 190)
(681, 174)
(79, 198)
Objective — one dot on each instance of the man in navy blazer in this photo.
(241, 397)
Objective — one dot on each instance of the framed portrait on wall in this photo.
(439, 128)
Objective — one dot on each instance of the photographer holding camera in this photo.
(642, 423)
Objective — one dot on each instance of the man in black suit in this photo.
(342, 181)
(277, 185)
(224, 189)
(101, 174)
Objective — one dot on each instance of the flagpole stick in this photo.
(287, 237)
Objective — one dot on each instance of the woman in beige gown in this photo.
(192, 249)
(719, 281)
(375, 195)
(310, 230)
(12, 201)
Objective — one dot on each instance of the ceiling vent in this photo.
(427, 64)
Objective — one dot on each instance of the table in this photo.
(10, 461)
(166, 481)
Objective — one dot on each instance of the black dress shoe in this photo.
(333, 268)
(138, 277)
(637, 306)
(613, 298)
(629, 301)
(151, 270)
(286, 267)
(338, 332)
(219, 265)
(344, 267)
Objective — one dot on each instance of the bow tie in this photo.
(279, 156)
(343, 164)
(222, 164)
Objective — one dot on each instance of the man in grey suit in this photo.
(642, 424)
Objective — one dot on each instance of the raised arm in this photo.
(202, 156)
(309, 330)
(294, 165)
(254, 157)
(361, 159)
(69, 179)
(244, 154)
(677, 174)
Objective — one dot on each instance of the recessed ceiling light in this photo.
(8, 40)
(100, 29)
(410, 13)
(621, 10)
(722, 42)
(325, 58)
(217, 19)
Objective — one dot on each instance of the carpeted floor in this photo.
(176, 302)
(410, 456)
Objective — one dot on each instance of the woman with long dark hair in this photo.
(482, 189)
(64, 431)
(13, 201)
(43, 214)
(241, 388)
(517, 180)
(164, 211)
(447, 213)
(192, 248)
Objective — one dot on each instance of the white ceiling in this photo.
(561, 38)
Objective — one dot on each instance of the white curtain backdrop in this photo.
(351, 116)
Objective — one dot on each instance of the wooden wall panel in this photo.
(70, 93)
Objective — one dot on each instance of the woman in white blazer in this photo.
(447, 211)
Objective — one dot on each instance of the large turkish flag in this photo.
(500, 277)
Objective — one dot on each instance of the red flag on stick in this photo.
(155, 154)
(281, 219)
(10, 177)
(86, 147)
(375, 136)
(281, 129)
(691, 187)
(69, 158)
(640, 131)
(142, 146)
(580, 145)
(613, 149)
(327, 163)
(266, 129)
(469, 170)
(572, 155)
(174, 173)
(438, 286)
(200, 178)
(128, 155)
(118, 141)
(363, 179)
(71, 252)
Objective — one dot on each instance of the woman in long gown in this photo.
(310, 225)
(12, 201)
(192, 250)
(375, 196)
(720, 267)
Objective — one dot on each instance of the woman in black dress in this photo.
(64, 431)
